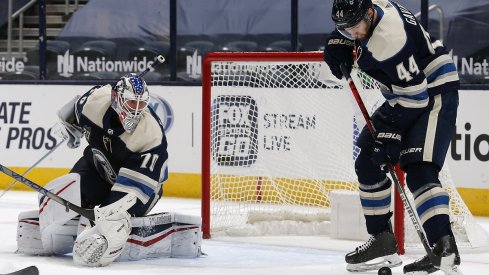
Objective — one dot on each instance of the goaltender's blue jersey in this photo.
(401, 55)
(136, 162)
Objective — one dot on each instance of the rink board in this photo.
(28, 114)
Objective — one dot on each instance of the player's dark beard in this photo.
(371, 24)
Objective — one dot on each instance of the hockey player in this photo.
(121, 172)
(413, 127)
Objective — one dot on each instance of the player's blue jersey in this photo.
(401, 55)
(134, 163)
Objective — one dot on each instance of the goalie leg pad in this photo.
(66, 187)
(59, 238)
(186, 242)
(164, 235)
(29, 235)
(57, 226)
(55, 239)
(102, 244)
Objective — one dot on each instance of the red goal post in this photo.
(238, 77)
(206, 125)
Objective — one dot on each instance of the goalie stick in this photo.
(30, 270)
(435, 260)
(158, 60)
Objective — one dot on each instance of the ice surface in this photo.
(278, 255)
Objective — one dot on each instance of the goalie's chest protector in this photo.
(102, 131)
(107, 142)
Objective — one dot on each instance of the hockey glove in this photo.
(70, 132)
(338, 50)
(67, 128)
(387, 148)
(102, 244)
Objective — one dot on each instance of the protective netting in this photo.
(282, 138)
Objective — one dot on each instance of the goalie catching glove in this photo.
(102, 244)
(387, 147)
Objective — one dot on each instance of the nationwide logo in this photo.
(69, 64)
(194, 65)
(66, 66)
(11, 65)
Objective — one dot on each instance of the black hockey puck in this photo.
(385, 271)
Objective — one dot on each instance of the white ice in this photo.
(286, 255)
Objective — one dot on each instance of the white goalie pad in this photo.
(29, 235)
(66, 187)
(61, 237)
(57, 225)
(163, 235)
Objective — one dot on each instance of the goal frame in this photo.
(206, 128)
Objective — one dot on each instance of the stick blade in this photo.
(30, 270)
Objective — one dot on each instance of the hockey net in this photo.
(278, 138)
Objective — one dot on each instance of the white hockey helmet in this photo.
(130, 97)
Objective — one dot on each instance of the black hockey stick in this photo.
(85, 212)
(435, 260)
(158, 60)
(30, 270)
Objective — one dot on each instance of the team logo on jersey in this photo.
(234, 130)
(103, 166)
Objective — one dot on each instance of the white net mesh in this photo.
(281, 141)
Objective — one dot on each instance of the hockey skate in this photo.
(446, 248)
(379, 251)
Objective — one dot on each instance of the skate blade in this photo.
(375, 264)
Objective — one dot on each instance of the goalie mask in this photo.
(130, 97)
(348, 14)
